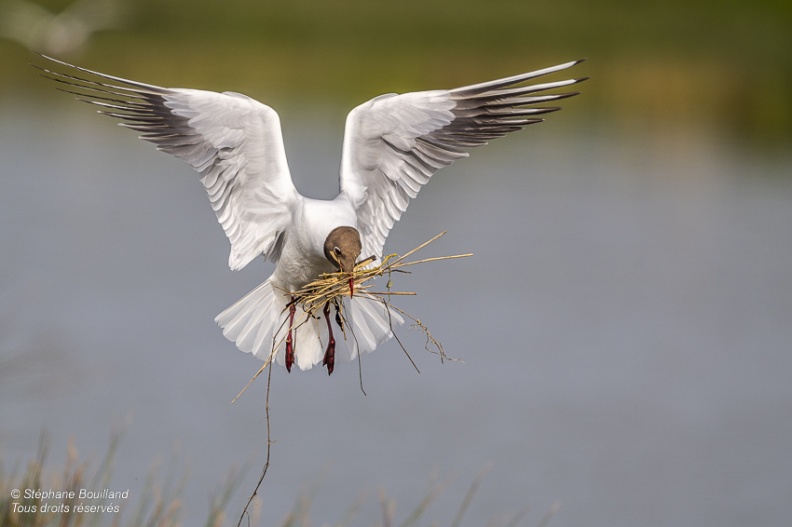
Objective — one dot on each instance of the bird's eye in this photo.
(337, 251)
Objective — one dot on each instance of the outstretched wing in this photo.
(394, 143)
(233, 141)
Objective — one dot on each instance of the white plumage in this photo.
(393, 144)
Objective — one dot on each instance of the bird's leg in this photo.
(329, 356)
(290, 340)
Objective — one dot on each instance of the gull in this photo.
(392, 146)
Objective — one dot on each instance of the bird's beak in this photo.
(348, 266)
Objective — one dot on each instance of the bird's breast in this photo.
(299, 265)
(303, 260)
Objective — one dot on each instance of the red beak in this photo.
(351, 287)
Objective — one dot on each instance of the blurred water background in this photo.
(625, 324)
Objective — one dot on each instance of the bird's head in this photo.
(342, 248)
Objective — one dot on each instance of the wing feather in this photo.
(233, 141)
(393, 144)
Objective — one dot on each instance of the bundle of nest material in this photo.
(330, 288)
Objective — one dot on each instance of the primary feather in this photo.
(233, 141)
(394, 143)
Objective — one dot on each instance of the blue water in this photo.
(624, 325)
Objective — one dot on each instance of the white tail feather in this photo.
(258, 324)
(371, 321)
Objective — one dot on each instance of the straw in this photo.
(331, 288)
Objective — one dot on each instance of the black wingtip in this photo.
(566, 95)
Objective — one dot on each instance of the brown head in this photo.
(342, 247)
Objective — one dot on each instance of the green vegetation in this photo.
(724, 64)
(55, 499)
(41, 498)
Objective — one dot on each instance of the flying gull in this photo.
(393, 144)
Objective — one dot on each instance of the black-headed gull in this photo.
(393, 144)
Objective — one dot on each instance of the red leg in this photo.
(329, 356)
(290, 338)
